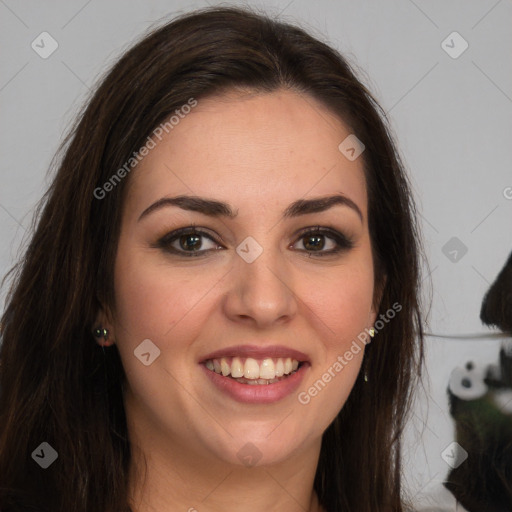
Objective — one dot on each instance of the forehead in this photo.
(247, 149)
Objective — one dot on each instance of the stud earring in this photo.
(101, 332)
(371, 332)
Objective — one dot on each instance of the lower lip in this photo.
(259, 393)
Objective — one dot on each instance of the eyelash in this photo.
(343, 242)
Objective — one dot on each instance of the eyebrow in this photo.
(214, 208)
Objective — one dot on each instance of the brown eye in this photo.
(314, 242)
(188, 242)
(323, 241)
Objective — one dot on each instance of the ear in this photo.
(103, 328)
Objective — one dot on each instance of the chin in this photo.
(255, 446)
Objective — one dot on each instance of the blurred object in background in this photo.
(497, 304)
(480, 401)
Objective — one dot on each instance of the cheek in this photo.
(342, 306)
(167, 304)
(150, 302)
(162, 304)
(342, 302)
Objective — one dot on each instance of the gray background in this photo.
(451, 116)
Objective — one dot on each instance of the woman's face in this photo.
(282, 279)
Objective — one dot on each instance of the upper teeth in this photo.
(251, 368)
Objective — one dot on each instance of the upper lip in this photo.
(257, 352)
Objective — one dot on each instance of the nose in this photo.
(261, 293)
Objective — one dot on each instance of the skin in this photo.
(259, 153)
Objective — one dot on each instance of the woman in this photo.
(190, 327)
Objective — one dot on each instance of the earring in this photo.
(371, 332)
(101, 332)
(365, 369)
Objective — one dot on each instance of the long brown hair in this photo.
(58, 386)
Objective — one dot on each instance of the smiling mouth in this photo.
(254, 371)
